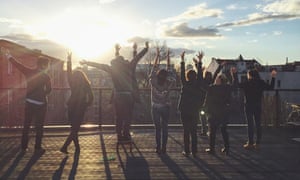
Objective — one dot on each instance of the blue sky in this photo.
(267, 30)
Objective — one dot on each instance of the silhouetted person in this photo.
(217, 108)
(160, 102)
(81, 97)
(121, 71)
(190, 103)
(253, 91)
(38, 87)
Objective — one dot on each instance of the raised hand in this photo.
(69, 56)
(200, 56)
(147, 44)
(182, 56)
(117, 49)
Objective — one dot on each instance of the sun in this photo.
(85, 34)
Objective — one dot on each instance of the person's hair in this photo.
(191, 75)
(223, 78)
(208, 76)
(254, 74)
(161, 74)
(42, 60)
(80, 78)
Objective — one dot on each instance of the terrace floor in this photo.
(101, 158)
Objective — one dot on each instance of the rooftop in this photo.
(101, 158)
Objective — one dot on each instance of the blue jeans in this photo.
(160, 117)
(253, 114)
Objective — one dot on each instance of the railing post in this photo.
(100, 109)
(277, 100)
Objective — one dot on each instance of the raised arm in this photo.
(155, 64)
(103, 67)
(198, 63)
(182, 68)
(15, 62)
(69, 68)
(139, 56)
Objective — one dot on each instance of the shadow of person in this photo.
(136, 167)
(34, 158)
(173, 166)
(57, 174)
(13, 165)
(75, 165)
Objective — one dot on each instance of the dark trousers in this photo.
(38, 113)
(76, 116)
(160, 117)
(124, 112)
(214, 124)
(253, 114)
(189, 122)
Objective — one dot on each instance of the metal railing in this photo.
(275, 107)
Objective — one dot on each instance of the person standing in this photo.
(38, 87)
(190, 103)
(217, 108)
(253, 91)
(81, 97)
(124, 96)
(160, 102)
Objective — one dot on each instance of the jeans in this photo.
(160, 117)
(213, 126)
(124, 111)
(38, 113)
(189, 122)
(253, 114)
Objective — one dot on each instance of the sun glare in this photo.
(84, 34)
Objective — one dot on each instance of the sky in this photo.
(266, 30)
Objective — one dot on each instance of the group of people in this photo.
(200, 91)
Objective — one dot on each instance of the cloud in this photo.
(195, 12)
(10, 21)
(278, 10)
(46, 46)
(106, 1)
(138, 40)
(182, 30)
(277, 33)
(235, 7)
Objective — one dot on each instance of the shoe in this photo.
(194, 154)
(248, 146)
(163, 150)
(225, 151)
(158, 151)
(186, 154)
(64, 150)
(39, 151)
(256, 146)
(210, 151)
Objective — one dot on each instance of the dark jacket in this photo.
(218, 100)
(192, 95)
(38, 82)
(253, 90)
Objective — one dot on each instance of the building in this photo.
(13, 86)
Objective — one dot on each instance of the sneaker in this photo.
(158, 151)
(256, 146)
(186, 154)
(163, 150)
(248, 146)
(210, 151)
(225, 151)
